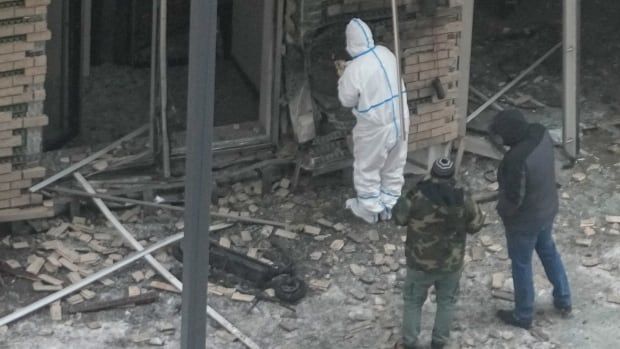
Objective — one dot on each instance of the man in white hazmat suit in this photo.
(369, 86)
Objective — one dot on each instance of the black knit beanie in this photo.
(443, 168)
(510, 125)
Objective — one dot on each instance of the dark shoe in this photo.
(437, 345)
(565, 312)
(401, 345)
(507, 316)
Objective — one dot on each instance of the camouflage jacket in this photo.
(439, 215)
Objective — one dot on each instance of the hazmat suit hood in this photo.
(359, 37)
(511, 126)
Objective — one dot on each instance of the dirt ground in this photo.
(364, 310)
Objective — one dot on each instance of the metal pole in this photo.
(127, 235)
(112, 198)
(572, 27)
(87, 12)
(513, 83)
(153, 91)
(200, 109)
(87, 281)
(88, 159)
(161, 269)
(401, 109)
(163, 87)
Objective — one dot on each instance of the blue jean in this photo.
(521, 246)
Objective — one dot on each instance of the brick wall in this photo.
(23, 66)
(430, 47)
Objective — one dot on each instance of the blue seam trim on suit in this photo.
(387, 78)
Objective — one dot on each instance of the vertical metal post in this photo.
(200, 109)
(465, 42)
(87, 12)
(401, 110)
(163, 86)
(572, 27)
(153, 91)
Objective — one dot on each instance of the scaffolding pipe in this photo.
(19, 313)
(401, 109)
(511, 84)
(153, 86)
(157, 266)
(163, 85)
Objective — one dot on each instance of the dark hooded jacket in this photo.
(528, 196)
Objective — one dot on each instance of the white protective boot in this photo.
(361, 212)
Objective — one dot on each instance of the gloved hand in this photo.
(340, 65)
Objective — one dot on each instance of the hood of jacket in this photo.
(359, 37)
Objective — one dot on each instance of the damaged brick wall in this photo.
(23, 66)
(430, 47)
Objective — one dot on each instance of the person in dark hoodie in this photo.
(438, 214)
(528, 203)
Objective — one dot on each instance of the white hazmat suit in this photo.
(369, 86)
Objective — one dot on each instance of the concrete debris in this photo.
(579, 176)
(477, 253)
(373, 235)
(356, 269)
(325, 223)
(267, 230)
(590, 222)
(246, 236)
(319, 284)
(156, 342)
(507, 335)
(379, 259)
(40, 287)
(361, 314)
(87, 294)
(358, 293)
(497, 280)
(285, 183)
(590, 261)
(93, 325)
(289, 325)
(286, 234)
(56, 311)
(583, 242)
(495, 248)
(242, 297)
(308, 229)
(612, 219)
(50, 280)
(20, 245)
(13, 263)
(75, 299)
(486, 240)
(339, 227)
(252, 252)
(315, 256)
(163, 286)
(613, 297)
(137, 276)
(133, 291)
(253, 208)
(224, 242)
(589, 231)
(337, 245)
(349, 248)
(389, 249)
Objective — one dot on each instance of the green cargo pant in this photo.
(415, 292)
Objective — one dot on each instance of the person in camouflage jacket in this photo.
(439, 215)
